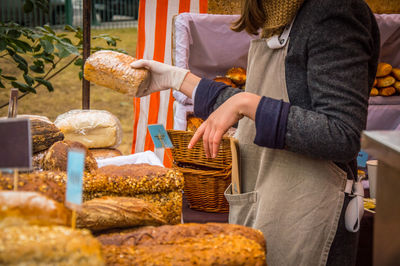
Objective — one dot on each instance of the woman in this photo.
(300, 120)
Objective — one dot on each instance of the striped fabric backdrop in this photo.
(154, 42)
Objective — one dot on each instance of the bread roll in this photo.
(193, 123)
(375, 82)
(396, 73)
(396, 85)
(57, 155)
(374, 92)
(385, 82)
(186, 244)
(92, 128)
(31, 208)
(383, 69)
(53, 245)
(226, 80)
(237, 75)
(388, 91)
(99, 154)
(112, 70)
(117, 212)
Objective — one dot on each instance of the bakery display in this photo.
(57, 155)
(387, 82)
(155, 184)
(31, 208)
(48, 245)
(117, 212)
(44, 134)
(112, 70)
(185, 244)
(93, 128)
(99, 154)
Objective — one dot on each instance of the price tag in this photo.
(362, 159)
(160, 136)
(15, 143)
(76, 162)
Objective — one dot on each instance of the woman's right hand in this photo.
(162, 76)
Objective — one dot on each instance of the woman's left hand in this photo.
(227, 115)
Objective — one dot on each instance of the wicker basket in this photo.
(180, 152)
(204, 189)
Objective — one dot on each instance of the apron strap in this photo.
(279, 41)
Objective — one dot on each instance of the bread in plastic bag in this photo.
(112, 70)
(93, 128)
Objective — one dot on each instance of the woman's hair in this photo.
(252, 17)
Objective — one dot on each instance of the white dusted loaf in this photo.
(112, 70)
(93, 128)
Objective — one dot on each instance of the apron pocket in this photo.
(242, 207)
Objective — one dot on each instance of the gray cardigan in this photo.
(330, 68)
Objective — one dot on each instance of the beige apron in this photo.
(295, 200)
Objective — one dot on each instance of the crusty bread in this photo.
(112, 70)
(57, 155)
(186, 244)
(48, 245)
(117, 212)
(105, 153)
(93, 128)
(31, 208)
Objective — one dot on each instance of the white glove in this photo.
(162, 76)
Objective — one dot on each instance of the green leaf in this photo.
(23, 45)
(78, 62)
(47, 46)
(28, 6)
(80, 75)
(9, 77)
(22, 87)
(45, 83)
(15, 34)
(37, 69)
(22, 64)
(28, 79)
(1, 85)
(49, 29)
(70, 28)
(3, 44)
(62, 52)
(37, 48)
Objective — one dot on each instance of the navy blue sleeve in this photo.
(271, 120)
(206, 95)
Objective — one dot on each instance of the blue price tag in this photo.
(362, 158)
(76, 162)
(160, 136)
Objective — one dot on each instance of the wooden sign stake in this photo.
(163, 145)
(73, 219)
(12, 113)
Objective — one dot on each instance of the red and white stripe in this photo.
(154, 42)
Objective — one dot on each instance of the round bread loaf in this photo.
(56, 157)
(105, 153)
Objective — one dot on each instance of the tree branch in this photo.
(37, 85)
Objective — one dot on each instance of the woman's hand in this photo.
(227, 115)
(162, 76)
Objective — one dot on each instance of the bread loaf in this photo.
(374, 92)
(50, 184)
(383, 69)
(53, 245)
(112, 70)
(92, 128)
(388, 91)
(385, 82)
(117, 212)
(31, 208)
(396, 73)
(57, 155)
(186, 244)
(37, 160)
(99, 154)
(154, 184)
(396, 85)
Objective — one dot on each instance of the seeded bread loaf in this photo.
(112, 70)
